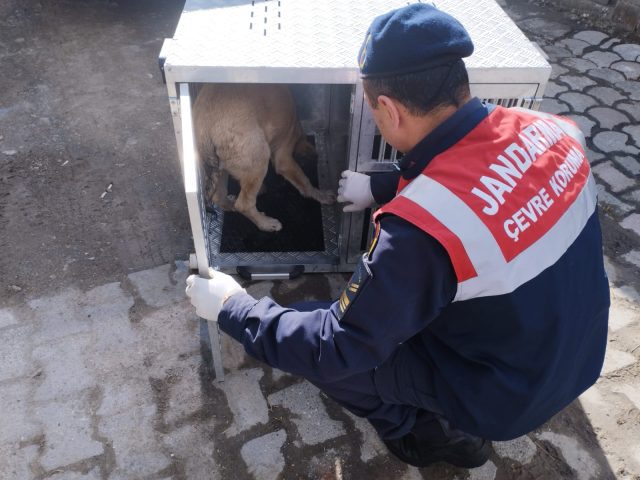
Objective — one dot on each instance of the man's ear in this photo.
(390, 109)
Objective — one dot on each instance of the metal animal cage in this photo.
(312, 46)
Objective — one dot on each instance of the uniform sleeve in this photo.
(401, 287)
(384, 186)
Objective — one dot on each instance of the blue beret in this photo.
(411, 39)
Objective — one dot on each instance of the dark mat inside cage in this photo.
(301, 218)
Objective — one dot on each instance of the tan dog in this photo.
(239, 127)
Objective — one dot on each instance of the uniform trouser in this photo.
(392, 396)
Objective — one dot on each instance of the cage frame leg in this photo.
(216, 349)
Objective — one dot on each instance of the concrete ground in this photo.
(105, 370)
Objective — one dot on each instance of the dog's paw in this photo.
(326, 197)
(268, 224)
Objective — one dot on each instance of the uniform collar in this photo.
(444, 136)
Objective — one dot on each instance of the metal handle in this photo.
(246, 274)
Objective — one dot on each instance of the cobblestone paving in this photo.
(116, 382)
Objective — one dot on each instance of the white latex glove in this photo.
(355, 188)
(208, 294)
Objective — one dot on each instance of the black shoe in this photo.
(465, 452)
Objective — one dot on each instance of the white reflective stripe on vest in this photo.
(495, 275)
(539, 256)
(453, 213)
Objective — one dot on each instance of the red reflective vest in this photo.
(506, 201)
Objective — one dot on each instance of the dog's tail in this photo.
(207, 149)
(210, 164)
(303, 147)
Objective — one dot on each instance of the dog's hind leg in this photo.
(286, 166)
(249, 166)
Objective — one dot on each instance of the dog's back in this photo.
(226, 114)
(239, 128)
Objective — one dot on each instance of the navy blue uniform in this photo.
(401, 345)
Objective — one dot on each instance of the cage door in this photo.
(192, 182)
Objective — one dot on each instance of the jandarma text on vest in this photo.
(540, 203)
(535, 140)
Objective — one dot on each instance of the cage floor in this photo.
(301, 218)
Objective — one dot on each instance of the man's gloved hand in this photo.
(355, 188)
(208, 295)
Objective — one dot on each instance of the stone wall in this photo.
(625, 13)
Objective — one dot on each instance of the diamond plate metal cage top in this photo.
(266, 40)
